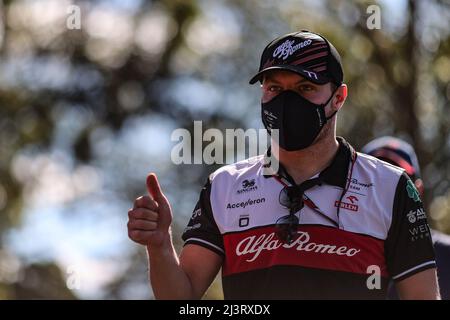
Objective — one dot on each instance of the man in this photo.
(329, 224)
(402, 154)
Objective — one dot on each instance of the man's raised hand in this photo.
(150, 219)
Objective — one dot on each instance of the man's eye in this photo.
(274, 88)
(306, 88)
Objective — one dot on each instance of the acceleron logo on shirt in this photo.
(244, 204)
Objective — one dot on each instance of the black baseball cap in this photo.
(396, 152)
(306, 53)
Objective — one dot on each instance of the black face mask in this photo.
(298, 120)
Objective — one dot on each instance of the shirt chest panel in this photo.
(258, 205)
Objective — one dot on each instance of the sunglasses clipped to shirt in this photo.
(293, 198)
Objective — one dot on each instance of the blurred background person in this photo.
(402, 154)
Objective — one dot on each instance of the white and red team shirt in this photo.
(382, 227)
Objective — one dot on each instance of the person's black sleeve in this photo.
(202, 229)
(408, 247)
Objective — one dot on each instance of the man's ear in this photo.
(341, 95)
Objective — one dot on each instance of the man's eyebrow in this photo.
(268, 78)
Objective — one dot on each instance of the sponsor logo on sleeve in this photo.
(421, 229)
(197, 213)
(416, 215)
(193, 227)
(412, 191)
(419, 232)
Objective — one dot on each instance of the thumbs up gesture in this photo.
(150, 219)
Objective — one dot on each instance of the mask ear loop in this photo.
(325, 104)
(331, 116)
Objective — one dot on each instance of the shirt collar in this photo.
(335, 174)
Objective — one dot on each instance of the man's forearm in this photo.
(167, 278)
(421, 286)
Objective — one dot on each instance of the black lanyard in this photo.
(310, 203)
(287, 180)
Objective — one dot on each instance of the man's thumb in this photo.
(154, 188)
